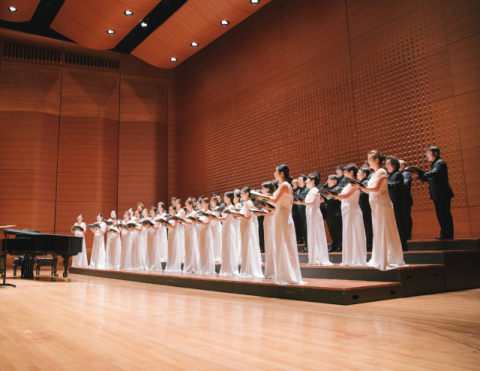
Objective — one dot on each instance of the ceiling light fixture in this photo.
(224, 22)
(143, 24)
(12, 9)
(254, 1)
(194, 44)
(128, 12)
(173, 59)
(110, 32)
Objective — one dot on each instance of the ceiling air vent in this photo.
(18, 51)
(85, 60)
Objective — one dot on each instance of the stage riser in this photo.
(418, 281)
(438, 245)
(340, 297)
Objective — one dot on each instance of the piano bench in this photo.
(17, 262)
(44, 262)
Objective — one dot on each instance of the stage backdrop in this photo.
(81, 131)
(317, 83)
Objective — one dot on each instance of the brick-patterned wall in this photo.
(315, 83)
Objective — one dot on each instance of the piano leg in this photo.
(65, 268)
(27, 266)
(54, 266)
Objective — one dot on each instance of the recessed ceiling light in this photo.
(12, 9)
(128, 12)
(173, 59)
(110, 32)
(143, 24)
(194, 44)
(254, 1)
(224, 23)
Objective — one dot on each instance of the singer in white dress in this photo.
(126, 237)
(152, 257)
(192, 259)
(237, 194)
(288, 266)
(80, 260)
(114, 245)
(97, 260)
(317, 237)
(139, 245)
(268, 189)
(229, 240)
(162, 234)
(205, 242)
(174, 258)
(216, 227)
(354, 248)
(251, 257)
(180, 227)
(387, 249)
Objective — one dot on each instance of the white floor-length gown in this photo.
(216, 228)
(236, 223)
(181, 234)
(270, 251)
(162, 243)
(192, 259)
(288, 266)
(205, 247)
(139, 246)
(152, 256)
(251, 257)
(387, 249)
(354, 246)
(317, 237)
(174, 258)
(126, 256)
(114, 250)
(80, 260)
(229, 247)
(97, 260)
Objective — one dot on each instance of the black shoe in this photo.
(305, 249)
(338, 250)
(441, 238)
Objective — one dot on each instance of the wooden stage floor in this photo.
(94, 323)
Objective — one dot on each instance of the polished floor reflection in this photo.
(104, 324)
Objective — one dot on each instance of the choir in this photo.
(362, 207)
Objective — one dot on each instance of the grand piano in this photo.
(30, 244)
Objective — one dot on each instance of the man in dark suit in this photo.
(333, 214)
(395, 191)
(407, 197)
(339, 170)
(364, 202)
(440, 191)
(220, 201)
(303, 191)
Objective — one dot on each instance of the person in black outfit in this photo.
(407, 197)
(364, 202)
(366, 165)
(341, 177)
(333, 214)
(395, 191)
(440, 191)
(295, 214)
(220, 201)
(303, 191)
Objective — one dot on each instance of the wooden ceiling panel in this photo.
(86, 22)
(196, 21)
(25, 10)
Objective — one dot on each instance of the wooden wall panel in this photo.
(472, 174)
(88, 151)
(25, 10)
(143, 141)
(462, 18)
(364, 75)
(465, 61)
(468, 111)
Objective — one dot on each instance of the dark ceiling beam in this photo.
(40, 23)
(164, 10)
